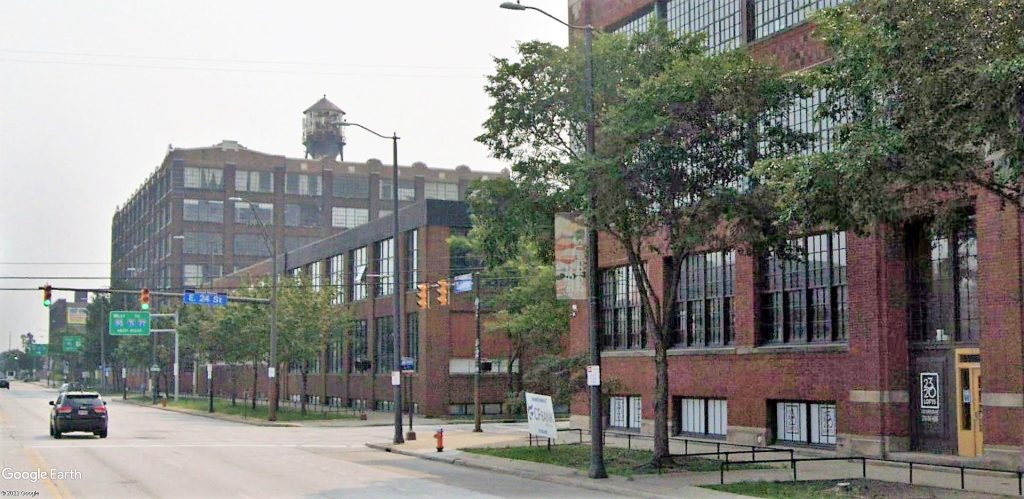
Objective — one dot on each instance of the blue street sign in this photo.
(190, 297)
(463, 283)
(408, 365)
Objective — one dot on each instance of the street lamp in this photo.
(597, 469)
(396, 361)
(271, 370)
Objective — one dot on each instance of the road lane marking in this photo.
(40, 463)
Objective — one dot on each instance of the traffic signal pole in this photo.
(476, 353)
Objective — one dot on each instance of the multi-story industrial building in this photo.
(871, 345)
(358, 265)
(199, 214)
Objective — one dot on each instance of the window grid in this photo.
(944, 283)
(806, 422)
(704, 309)
(358, 259)
(351, 187)
(720, 21)
(211, 179)
(203, 243)
(621, 313)
(638, 24)
(201, 210)
(250, 245)
(303, 184)
(346, 218)
(251, 181)
(805, 299)
(359, 351)
(301, 215)
(412, 262)
(441, 190)
(244, 213)
(336, 271)
(412, 339)
(776, 15)
(406, 190)
(384, 252)
(384, 342)
(701, 416)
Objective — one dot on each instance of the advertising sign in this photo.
(77, 315)
(570, 258)
(541, 415)
(930, 394)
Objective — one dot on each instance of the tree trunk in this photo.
(302, 391)
(234, 384)
(323, 379)
(661, 452)
(511, 385)
(255, 379)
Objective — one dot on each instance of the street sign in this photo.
(541, 416)
(593, 375)
(129, 323)
(463, 283)
(72, 343)
(38, 349)
(396, 378)
(191, 297)
(154, 368)
(408, 365)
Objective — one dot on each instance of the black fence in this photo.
(793, 461)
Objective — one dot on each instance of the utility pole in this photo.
(476, 353)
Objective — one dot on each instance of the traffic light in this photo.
(423, 295)
(442, 291)
(144, 299)
(46, 296)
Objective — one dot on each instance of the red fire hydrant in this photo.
(439, 437)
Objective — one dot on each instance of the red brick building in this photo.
(440, 339)
(871, 345)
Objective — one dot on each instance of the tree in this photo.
(930, 95)
(308, 319)
(679, 134)
(527, 312)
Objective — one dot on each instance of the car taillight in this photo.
(64, 409)
(99, 409)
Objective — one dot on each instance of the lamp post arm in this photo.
(389, 137)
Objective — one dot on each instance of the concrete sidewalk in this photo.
(454, 440)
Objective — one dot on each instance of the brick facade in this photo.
(870, 376)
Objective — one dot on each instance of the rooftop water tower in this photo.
(322, 132)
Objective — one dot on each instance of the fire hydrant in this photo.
(439, 437)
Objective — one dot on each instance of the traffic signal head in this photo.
(442, 291)
(46, 296)
(144, 299)
(423, 295)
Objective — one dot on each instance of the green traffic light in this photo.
(145, 306)
(46, 303)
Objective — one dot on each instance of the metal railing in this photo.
(793, 461)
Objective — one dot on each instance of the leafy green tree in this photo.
(931, 94)
(308, 320)
(678, 135)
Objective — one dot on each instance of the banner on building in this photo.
(570, 258)
(77, 315)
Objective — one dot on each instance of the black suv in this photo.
(78, 411)
(5, 383)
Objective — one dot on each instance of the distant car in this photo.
(4, 383)
(78, 411)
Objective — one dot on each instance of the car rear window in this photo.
(84, 400)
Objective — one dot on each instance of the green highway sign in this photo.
(38, 349)
(72, 344)
(129, 323)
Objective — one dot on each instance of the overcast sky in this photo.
(93, 92)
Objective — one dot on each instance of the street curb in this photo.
(216, 416)
(599, 487)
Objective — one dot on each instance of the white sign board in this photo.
(271, 372)
(593, 375)
(396, 378)
(541, 415)
(209, 371)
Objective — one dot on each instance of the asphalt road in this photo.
(154, 453)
